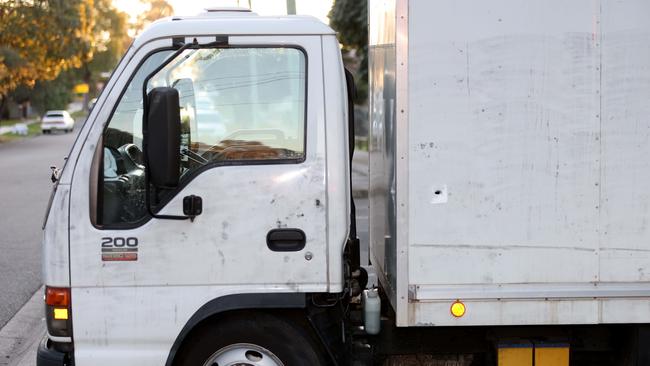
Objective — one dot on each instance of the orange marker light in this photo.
(57, 296)
(457, 309)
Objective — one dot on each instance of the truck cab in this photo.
(206, 197)
(205, 217)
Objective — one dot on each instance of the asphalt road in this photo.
(25, 188)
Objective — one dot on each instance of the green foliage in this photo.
(46, 46)
(53, 94)
(350, 18)
(32, 130)
(41, 38)
(112, 38)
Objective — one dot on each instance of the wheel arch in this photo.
(225, 305)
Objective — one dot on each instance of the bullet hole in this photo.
(438, 192)
(317, 202)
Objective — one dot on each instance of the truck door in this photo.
(252, 147)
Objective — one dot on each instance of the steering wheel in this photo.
(123, 183)
(133, 153)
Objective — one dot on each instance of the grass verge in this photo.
(32, 130)
(78, 114)
(9, 122)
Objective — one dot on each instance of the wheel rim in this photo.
(243, 354)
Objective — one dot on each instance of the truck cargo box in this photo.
(510, 160)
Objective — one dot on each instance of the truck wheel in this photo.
(254, 340)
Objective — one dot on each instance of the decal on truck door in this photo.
(119, 249)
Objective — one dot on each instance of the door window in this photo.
(238, 106)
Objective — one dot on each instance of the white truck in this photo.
(204, 215)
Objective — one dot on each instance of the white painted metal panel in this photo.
(56, 256)
(625, 142)
(528, 129)
(503, 116)
(337, 160)
(511, 312)
(382, 100)
(233, 25)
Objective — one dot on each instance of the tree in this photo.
(111, 41)
(39, 39)
(157, 9)
(350, 18)
(47, 94)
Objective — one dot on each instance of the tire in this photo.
(254, 339)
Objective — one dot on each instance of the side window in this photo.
(238, 105)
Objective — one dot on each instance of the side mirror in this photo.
(163, 137)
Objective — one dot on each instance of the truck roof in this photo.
(232, 24)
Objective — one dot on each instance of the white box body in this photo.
(509, 160)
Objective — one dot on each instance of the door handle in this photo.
(286, 240)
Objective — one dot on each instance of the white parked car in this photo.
(57, 120)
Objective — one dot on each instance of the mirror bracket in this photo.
(192, 206)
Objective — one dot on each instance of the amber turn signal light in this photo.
(457, 309)
(55, 296)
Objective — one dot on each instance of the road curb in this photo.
(20, 337)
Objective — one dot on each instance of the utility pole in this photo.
(291, 7)
(250, 6)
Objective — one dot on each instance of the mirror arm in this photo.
(147, 192)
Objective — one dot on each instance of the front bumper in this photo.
(48, 356)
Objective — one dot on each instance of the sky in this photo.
(317, 8)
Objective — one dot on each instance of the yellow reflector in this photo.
(457, 309)
(552, 355)
(516, 355)
(61, 314)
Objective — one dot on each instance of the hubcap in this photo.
(243, 354)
